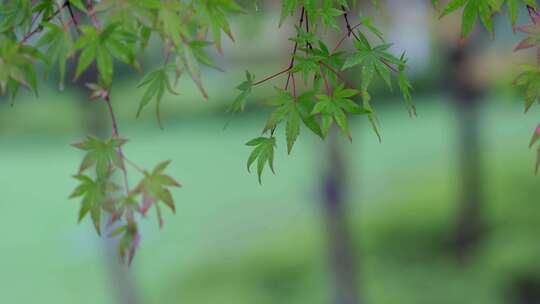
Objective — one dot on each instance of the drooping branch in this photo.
(295, 49)
(272, 76)
(291, 64)
(116, 134)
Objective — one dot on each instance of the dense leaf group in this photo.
(316, 92)
(104, 34)
(316, 95)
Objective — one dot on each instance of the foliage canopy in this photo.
(314, 97)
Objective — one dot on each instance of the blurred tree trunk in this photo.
(335, 212)
(467, 92)
(97, 122)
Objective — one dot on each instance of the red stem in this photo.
(272, 76)
(338, 45)
(92, 14)
(116, 134)
(326, 84)
(291, 64)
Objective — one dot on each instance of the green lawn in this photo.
(233, 241)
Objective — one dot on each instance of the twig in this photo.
(326, 84)
(291, 65)
(272, 76)
(389, 66)
(116, 134)
(349, 28)
(30, 34)
(39, 28)
(133, 164)
(73, 18)
(340, 42)
(92, 14)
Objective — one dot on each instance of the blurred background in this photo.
(444, 210)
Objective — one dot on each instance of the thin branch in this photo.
(30, 34)
(167, 52)
(39, 28)
(326, 84)
(340, 42)
(61, 14)
(133, 164)
(272, 76)
(349, 28)
(116, 134)
(113, 116)
(291, 65)
(308, 45)
(35, 18)
(391, 67)
(73, 17)
(92, 14)
(70, 9)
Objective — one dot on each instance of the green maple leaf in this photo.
(214, 14)
(533, 36)
(327, 14)
(245, 87)
(156, 83)
(405, 86)
(17, 67)
(60, 47)
(93, 195)
(514, 5)
(288, 7)
(102, 46)
(187, 59)
(372, 60)
(378, 61)
(472, 10)
(263, 153)
(101, 154)
(155, 189)
(15, 14)
(292, 110)
(335, 108)
(530, 79)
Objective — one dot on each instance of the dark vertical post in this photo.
(467, 93)
(335, 212)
